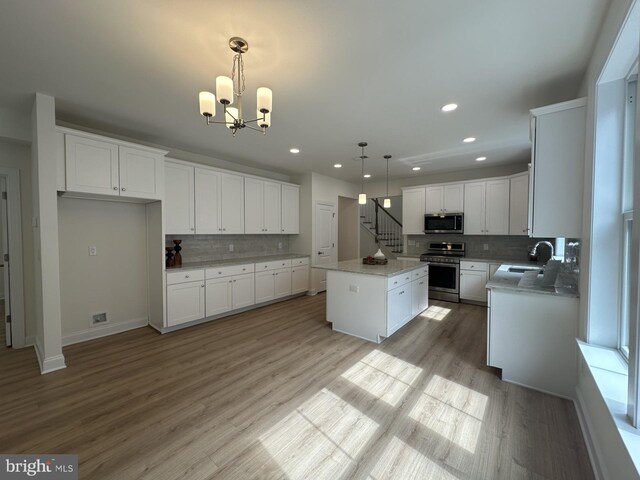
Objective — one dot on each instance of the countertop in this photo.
(236, 261)
(394, 267)
(499, 260)
(565, 285)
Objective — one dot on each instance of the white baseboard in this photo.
(103, 331)
(589, 440)
(50, 364)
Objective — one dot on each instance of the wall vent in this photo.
(99, 318)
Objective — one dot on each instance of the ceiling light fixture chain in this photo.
(230, 90)
(387, 201)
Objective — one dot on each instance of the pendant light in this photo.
(362, 198)
(387, 201)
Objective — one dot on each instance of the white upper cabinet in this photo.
(557, 165)
(486, 207)
(434, 197)
(413, 210)
(141, 173)
(178, 205)
(290, 209)
(519, 205)
(207, 201)
(497, 207)
(232, 204)
(444, 198)
(474, 208)
(97, 166)
(91, 166)
(262, 206)
(453, 198)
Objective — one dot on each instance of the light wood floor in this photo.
(275, 393)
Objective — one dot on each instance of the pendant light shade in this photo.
(387, 201)
(264, 99)
(224, 90)
(207, 104)
(362, 198)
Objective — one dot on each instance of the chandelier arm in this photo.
(230, 114)
(211, 122)
(255, 119)
(254, 128)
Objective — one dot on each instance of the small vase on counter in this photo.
(170, 260)
(177, 248)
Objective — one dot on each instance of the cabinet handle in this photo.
(219, 273)
(224, 229)
(202, 286)
(192, 229)
(234, 281)
(115, 188)
(123, 189)
(472, 266)
(186, 276)
(401, 292)
(230, 281)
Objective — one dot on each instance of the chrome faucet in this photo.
(534, 250)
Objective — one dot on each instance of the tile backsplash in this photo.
(205, 248)
(502, 247)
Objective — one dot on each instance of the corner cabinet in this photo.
(106, 167)
(557, 166)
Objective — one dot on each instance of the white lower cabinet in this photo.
(419, 295)
(228, 288)
(398, 307)
(219, 297)
(243, 291)
(473, 281)
(282, 282)
(185, 302)
(299, 279)
(265, 286)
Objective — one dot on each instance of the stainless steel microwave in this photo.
(444, 223)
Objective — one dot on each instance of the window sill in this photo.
(610, 372)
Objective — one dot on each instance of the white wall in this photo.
(48, 342)
(18, 155)
(611, 457)
(15, 125)
(115, 280)
(378, 189)
(348, 228)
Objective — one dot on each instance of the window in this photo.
(627, 214)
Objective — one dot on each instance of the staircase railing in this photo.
(386, 228)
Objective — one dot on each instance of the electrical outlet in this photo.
(93, 251)
(231, 247)
(485, 246)
(98, 318)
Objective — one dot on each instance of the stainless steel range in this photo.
(444, 270)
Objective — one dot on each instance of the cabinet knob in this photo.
(224, 229)
(202, 286)
(219, 273)
(192, 229)
(472, 266)
(123, 189)
(186, 276)
(115, 188)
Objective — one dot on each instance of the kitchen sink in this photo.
(525, 269)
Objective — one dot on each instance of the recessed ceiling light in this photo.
(469, 139)
(481, 159)
(449, 107)
(338, 165)
(415, 169)
(294, 150)
(367, 175)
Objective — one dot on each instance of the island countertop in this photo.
(393, 267)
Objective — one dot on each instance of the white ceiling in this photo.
(341, 72)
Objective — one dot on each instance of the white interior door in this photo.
(5, 255)
(325, 241)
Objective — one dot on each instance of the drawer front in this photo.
(421, 272)
(399, 280)
(299, 261)
(480, 266)
(228, 271)
(184, 276)
(264, 266)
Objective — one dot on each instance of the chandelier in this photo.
(362, 198)
(231, 89)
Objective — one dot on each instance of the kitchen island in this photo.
(374, 301)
